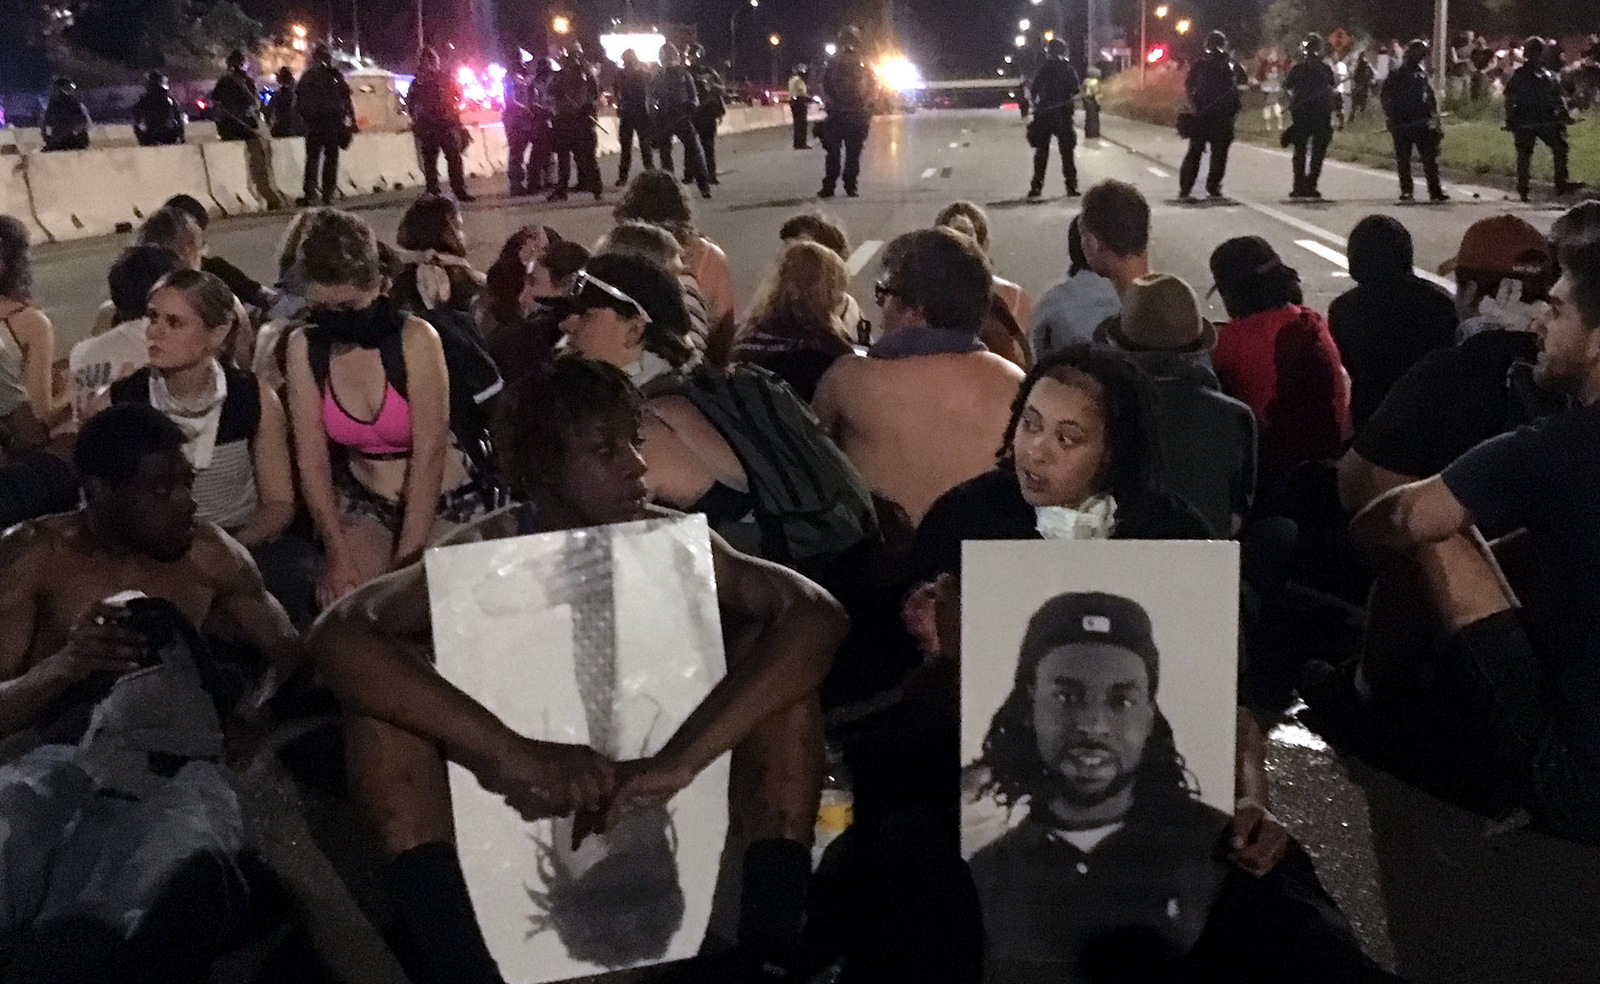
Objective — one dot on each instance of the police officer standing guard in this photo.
(672, 105)
(1213, 91)
(517, 116)
(847, 89)
(1536, 110)
(574, 98)
(322, 100)
(799, 107)
(709, 90)
(632, 89)
(1412, 109)
(434, 102)
(235, 104)
(1310, 85)
(1054, 91)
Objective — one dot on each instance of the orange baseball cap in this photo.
(1504, 244)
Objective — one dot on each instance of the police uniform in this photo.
(1213, 92)
(1535, 111)
(1412, 109)
(1053, 92)
(707, 115)
(1311, 90)
(847, 93)
(573, 96)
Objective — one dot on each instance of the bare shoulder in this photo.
(220, 559)
(846, 369)
(31, 324)
(677, 412)
(25, 547)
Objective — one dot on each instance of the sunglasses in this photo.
(883, 290)
(584, 279)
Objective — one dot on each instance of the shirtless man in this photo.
(926, 409)
(570, 447)
(88, 837)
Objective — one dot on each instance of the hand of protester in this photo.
(100, 641)
(922, 613)
(543, 779)
(1507, 306)
(338, 577)
(1257, 839)
(643, 783)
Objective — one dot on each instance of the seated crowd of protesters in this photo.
(227, 468)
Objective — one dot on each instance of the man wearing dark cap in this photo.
(1119, 871)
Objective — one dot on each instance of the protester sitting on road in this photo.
(826, 231)
(792, 332)
(174, 225)
(570, 443)
(121, 838)
(172, 228)
(1207, 439)
(1391, 319)
(1017, 300)
(236, 437)
(1115, 223)
(1277, 357)
(508, 277)
(999, 332)
(655, 197)
(102, 359)
(529, 343)
(437, 274)
(1460, 396)
(244, 287)
(378, 469)
(1500, 707)
(288, 307)
(29, 405)
(1071, 311)
(655, 244)
(923, 412)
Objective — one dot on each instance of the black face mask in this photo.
(365, 328)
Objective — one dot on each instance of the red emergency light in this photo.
(1157, 53)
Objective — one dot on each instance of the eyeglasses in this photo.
(585, 279)
(883, 290)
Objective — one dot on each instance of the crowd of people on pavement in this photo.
(214, 518)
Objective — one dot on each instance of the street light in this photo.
(774, 40)
(299, 31)
(830, 49)
(1021, 41)
(733, 38)
(1161, 11)
(1024, 24)
(1008, 59)
(561, 25)
(1183, 26)
(1049, 35)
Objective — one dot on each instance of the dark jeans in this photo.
(1554, 137)
(1059, 130)
(845, 132)
(705, 127)
(1426, 144)
(694, 161)
(1219, 141)
(527, 156)
(433, 141)
(1307, 173)
(576, 146)
(799, 111)
(631, 126)
(322, 146)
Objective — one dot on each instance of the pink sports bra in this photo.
(387, 436)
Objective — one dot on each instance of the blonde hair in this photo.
(808, 285)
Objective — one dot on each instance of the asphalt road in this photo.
(1428, 892)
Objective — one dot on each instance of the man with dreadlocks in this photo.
(1115, 840)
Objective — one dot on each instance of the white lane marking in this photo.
(930, 172)
(1158, 172)
(1278, 215)
(862, 256)
(1326, 252)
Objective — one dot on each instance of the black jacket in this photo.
(847, 86)
(708, 87)
(1054, 86)
(1408, 99)
(1310, 85)
(235, 106)
(574, 93)
(65, 118)
(1534, 100)
(156, 118)
(322, 97)
(434, 100)
(1213, 90)
(633, 91)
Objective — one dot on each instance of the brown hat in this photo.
(1503, 244)
(1160, 313)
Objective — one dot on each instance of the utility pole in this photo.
(1441, 45)
(1143, 20)
(355, 28)
(422, 41)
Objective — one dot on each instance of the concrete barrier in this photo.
(287, 161)
(229, 168)
(82, 193)
(14, 198)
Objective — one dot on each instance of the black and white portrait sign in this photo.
(1098, 734)
(607, 637)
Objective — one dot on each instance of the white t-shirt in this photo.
(95, 363)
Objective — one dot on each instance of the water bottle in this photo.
(837, 808)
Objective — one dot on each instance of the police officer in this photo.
(1054, 92)
(282, 118)
(235, 103)
(847, 89)
(708, 115)
(157, 121)
(1412, 109)
(434, 102)
(517, 117)
(799, 107)
(1310, 85)
(574, 97)
(1213, 91)
(632, 90)
(322, 100)
(65, 125)
(1536, 110)
(672, 104)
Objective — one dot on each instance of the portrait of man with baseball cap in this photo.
(1116, 846)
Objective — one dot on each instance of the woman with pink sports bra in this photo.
(380, 475)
